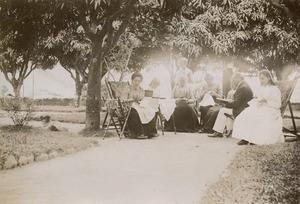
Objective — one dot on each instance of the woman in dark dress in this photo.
(185, 113)
(141, 120)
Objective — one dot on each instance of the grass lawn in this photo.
(260, 175)
(60, 108)
(63, 114)
(29, 144)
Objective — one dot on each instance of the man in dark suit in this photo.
(242, 96)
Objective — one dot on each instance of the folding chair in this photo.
(117, 109)
(287, 89)
(117, 114)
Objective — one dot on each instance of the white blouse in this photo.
(267, 96)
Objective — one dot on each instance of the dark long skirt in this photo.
(210, 118)
(136, 128)
(186, 120)
(203, 115)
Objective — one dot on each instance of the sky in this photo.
(45, 84)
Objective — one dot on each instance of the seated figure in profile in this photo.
(242, 95)
(209, 93)
(212, 113)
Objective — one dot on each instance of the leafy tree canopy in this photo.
(22, 34)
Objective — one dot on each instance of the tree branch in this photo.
(7, 77)
(70, 72)
(32, 67)
(113, 39)
(282, 7)
(24, 66)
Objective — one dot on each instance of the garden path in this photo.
(173, 168)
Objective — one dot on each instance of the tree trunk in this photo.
(92, 121)
(17, 91)
(78, 99)
(79, 87)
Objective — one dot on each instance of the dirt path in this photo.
(171, 169)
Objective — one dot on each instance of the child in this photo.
(49, 125)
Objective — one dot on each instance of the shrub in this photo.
(19, 110)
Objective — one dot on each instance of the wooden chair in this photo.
(117, 108)
(117, 115)
(287, 89)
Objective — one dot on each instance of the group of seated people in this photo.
(257, 119)
(253, 120)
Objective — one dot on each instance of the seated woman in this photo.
(209, 93)
(211, 116)
(185, 113)
(141, 119)
(261, 123)
(155, 87)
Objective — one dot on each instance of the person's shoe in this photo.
(228, 134)
(215, 135)
(201, 131)
(242, 142)
(153, 136)
(142, 137)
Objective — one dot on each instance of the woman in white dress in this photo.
(261, 122)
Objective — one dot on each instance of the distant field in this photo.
(60, 108)
(64, 113)
(68, 117)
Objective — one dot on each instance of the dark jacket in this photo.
(241, 97)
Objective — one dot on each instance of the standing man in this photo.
(241, 97)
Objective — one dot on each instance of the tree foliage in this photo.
(261, 32)
(22, 32)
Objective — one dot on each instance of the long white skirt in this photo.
(260, 126)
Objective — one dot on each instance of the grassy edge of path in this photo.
(260, 175)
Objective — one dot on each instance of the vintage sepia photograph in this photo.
(149, 101)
